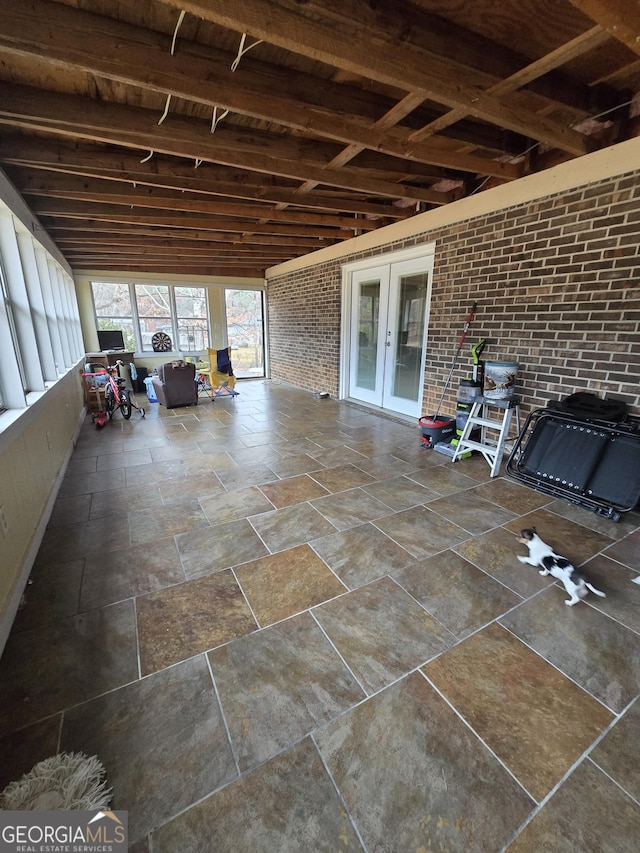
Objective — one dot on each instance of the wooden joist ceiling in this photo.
(220, 137)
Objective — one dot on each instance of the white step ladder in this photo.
(491, 448)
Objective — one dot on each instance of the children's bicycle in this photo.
(116, 396)
(106, 381)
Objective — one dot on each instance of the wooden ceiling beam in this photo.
(114, 242)
(465, 48)
(92, 162)
(620, 18)
(212, 271)
(73, 117)
(284, 155)
(198, 247)
(166, 257)
(91, 191)
(164, 253)
(566, 52)
(75, 40)
(114, 213)
(159, 257)
(68, 227)
(372, 53)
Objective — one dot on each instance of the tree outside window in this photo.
(245, 329)
(113, 309)
(192, 319)
(154, 313)
(181, 312)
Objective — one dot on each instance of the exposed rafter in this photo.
(619, 18)
(129, 55)
(405, 66)
(136, 140)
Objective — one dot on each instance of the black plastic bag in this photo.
(587, 406)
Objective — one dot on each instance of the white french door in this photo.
(389, 307)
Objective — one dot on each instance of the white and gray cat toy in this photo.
(541, 554)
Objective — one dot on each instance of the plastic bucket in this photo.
(468, 390)
(437, 429)
(499, 379)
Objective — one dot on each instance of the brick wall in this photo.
(557, 284)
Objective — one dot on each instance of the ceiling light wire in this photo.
(592, 118)
(242, 50)
(611, 110)
(216, 119)
(175, 32)
(166, 109)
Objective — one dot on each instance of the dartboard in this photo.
(161, 342)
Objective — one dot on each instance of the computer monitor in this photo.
(110, 339)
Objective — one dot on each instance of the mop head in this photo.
(68, 781)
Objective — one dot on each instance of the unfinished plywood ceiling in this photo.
(224, 136)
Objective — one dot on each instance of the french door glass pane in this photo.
(407, 374)
(245, 331)
(368, 324)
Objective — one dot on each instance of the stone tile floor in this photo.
(284, 626)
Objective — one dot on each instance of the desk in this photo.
(109, 358)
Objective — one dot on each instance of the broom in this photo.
(456, 356)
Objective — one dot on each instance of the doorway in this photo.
(388, 311)
(245, 331)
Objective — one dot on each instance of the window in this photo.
(154, 313)
(143, 310)
(192, 319)
(5, 300)
(40, 334)
(113, 309)
(11, 326)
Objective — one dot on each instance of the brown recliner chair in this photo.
(175, 384)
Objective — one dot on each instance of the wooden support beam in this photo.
(73, 117)
(133, 56)
(69, 227)
(566, 52)
(107, 213)
(620, 18)
(373, 54)
(84, 160)
(141, 199)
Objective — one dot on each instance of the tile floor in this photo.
(284, 626)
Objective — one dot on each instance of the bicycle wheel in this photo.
(125, 404)
(109, 401)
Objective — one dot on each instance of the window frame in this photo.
(141, 347)
(207, 319)
(40, 328)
